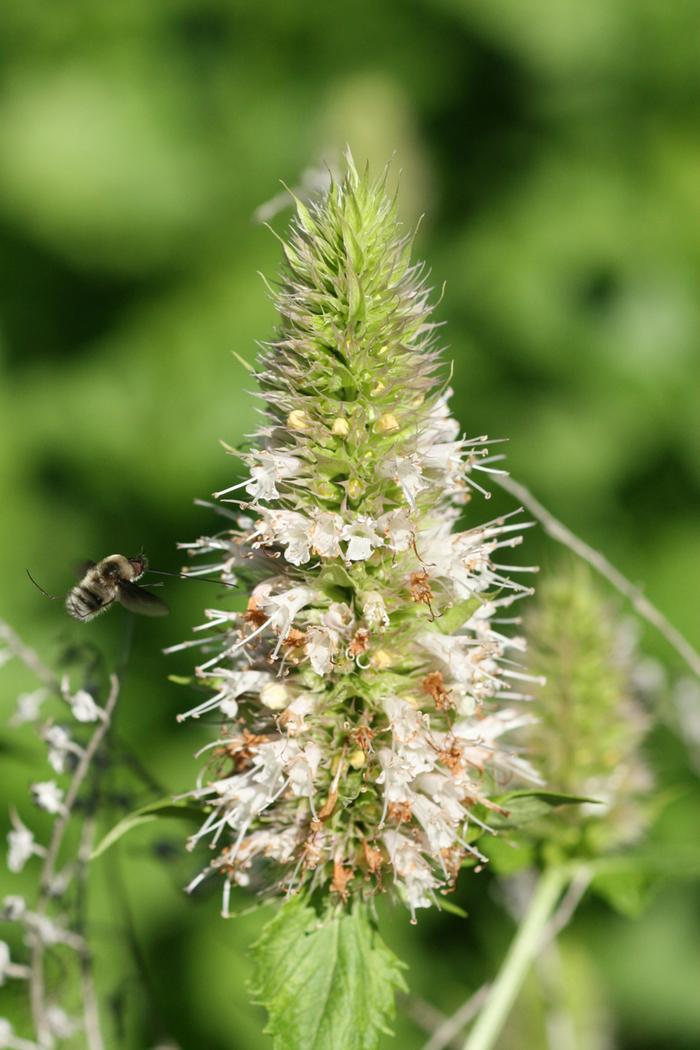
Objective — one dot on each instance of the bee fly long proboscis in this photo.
(113, 579)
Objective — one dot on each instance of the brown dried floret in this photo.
(434, 685)
(312, 850)
(254, 615)
(359, 643)
(374, 858)
(421, 590)
(363, 736)
(341, 877)
(399, 812)
(329, 805)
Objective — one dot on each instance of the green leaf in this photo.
(452, 619)
(154, 811)
(326, 983)
(525, 806)
(550, 798)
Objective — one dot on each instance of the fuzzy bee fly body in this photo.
(112, 580)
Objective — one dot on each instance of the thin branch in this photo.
(558, 1021)
(28, 656)
(567, 906)
(425, 1015)
(91, 1014)
(640, 603)
(37, 991)
(446, 1033)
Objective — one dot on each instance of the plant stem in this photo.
(521, 953)
(37, 989)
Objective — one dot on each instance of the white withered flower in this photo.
(20, 844)
(361, 689)
(49, 796)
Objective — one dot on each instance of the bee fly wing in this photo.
(137, 600)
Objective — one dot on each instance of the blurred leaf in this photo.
(507, 855)
(327, 984)
(628, 892)
(525, 806)
(165, 808)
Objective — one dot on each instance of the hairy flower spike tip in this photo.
(360, 691)
(591, 725)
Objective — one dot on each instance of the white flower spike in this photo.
(362, 688)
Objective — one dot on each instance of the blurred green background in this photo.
(554, 149)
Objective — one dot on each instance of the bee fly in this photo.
(113, 580)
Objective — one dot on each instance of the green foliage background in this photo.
(553, 147)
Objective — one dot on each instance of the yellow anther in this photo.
(357, 759)
(355, 488)
(387, 423)
(298, 420)
(341, 427)
(275, 696)
(381, 660)
(325, 490)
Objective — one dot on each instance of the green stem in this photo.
(521, 953)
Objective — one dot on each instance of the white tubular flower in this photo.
(367, 735)
(362, 537)
(325, 534)
(406, 472)
(284, 607)
(267, 471)
(48, 796)
(374, 611)
(398, 529)
(296, 713)
(321, 647)
(415, 880)
(302, 768)
(21, 844)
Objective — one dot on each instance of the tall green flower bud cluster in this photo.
(362, 690)
(590, 725)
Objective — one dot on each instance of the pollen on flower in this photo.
(356, 740)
